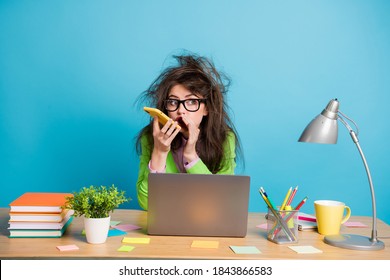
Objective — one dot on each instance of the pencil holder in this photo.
(282, 226)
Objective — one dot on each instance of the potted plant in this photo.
(95, 204)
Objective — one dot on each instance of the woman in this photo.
(192, 94)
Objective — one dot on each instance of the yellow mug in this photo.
(330, 216)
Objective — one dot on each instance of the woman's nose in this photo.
(181, 109)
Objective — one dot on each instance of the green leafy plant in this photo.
(95, 201)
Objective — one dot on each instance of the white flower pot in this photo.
(96, 229)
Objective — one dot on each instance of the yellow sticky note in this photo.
(305, 249)
(135, 240)
(67, 247)
(205, 244)
(125, 248)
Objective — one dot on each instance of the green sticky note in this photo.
(114, 223)
(245, 250)
(125, 248)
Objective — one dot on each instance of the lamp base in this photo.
(353, 242)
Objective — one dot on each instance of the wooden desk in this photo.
(173, 247)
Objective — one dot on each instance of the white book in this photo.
(39, 217)
(306, 222)
(40, 225)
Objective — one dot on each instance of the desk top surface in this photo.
(179, 247)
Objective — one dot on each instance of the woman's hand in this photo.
(162, 142)
(189, 152)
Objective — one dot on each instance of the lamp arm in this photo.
(356, 141)
(346, 123)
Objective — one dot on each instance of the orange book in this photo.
(39, 202)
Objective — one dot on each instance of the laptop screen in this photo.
(198, 204)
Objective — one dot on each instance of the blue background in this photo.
(70, 72)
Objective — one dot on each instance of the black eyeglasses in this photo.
(191, 105)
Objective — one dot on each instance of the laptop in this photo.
(185, 204)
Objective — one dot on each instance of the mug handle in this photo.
(347, 215)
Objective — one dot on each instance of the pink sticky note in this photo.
(126, 227)
(355, 224)
(67, 247)
(262, 226)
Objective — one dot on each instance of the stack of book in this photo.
(39, 215)
(306, 222)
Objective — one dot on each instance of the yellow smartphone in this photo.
(162, 118)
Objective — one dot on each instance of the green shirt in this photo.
(228, 165)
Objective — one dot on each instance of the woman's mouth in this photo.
(181, 122)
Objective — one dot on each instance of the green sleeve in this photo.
(142, 182)
(143, 173)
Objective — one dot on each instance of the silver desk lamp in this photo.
(323, 129)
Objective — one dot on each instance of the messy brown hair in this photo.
(198, 75)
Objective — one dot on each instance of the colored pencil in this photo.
(292, 195)
(300, 204)
(285, 199)
(262, 191)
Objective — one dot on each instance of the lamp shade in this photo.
(323, 129)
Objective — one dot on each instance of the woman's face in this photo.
(179, 92)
